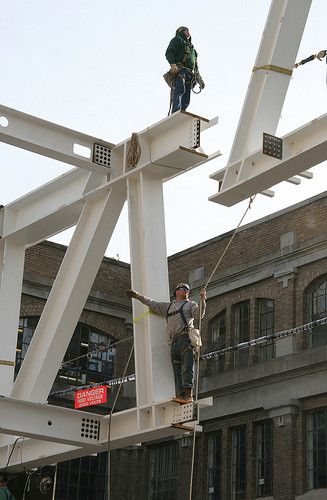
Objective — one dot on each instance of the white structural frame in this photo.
(248, 170)
(90, 197)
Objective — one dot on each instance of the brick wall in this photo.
(255, 244)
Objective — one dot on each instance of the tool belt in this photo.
(169, 78)
(180, 334)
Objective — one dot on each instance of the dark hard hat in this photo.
(181, 28)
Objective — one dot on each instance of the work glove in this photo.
(174, 70)
(131, 294)
(321, 54)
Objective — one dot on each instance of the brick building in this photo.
(266, 435)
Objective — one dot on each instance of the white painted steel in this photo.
(49, 139)
(303, 148)
(49, 423)
(11, 278)
(142, 424)
(266, 93)
(154, 378)
(93, 201)
(68, 296)
(50, 209)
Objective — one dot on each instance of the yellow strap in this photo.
(141, 316)
(7, 363)
(278, 69)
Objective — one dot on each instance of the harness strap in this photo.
(179, 311)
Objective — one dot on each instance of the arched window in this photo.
(317, 308)
(88, 358)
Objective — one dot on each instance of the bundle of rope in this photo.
(134, 151)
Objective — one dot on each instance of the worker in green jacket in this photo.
(182, 58)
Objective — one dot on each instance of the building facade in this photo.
(266, 434)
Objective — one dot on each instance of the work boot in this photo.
(188, 394)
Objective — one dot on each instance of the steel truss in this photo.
(90, 197)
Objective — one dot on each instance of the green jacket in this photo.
(180, 50)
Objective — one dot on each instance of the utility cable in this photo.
(10, 455)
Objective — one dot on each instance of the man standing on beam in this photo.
(180, 315)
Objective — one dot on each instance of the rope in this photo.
(134, 151)
(200, 327)
(277, 69)
(109, 423)
(196, 400)
(230, 241)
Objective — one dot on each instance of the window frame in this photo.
(241, 358)
(264, 458)
(267, 350)
(163, 471)
(218, 342)
(238, 466)
(317, 335)
(214, 465)
(316, 434)
(78, 371)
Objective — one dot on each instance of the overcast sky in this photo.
(96, 67)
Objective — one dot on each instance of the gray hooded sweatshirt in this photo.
(175, 323)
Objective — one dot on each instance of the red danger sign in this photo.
(90, 397)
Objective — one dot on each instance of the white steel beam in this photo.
(50, 209)
(49, 139)
(170, 146)
(49, 423)
(68, 296)
(64, 430)
(303, 148)
(12, 258)
(268, 87)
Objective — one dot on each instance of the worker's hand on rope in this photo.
(203, 294)
(174, 70)
(131, 294)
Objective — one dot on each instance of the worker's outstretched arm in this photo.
(160, 308)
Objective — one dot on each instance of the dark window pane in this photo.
(242, 332)
(317, 305)
(264, 459)
(163, 475)
(317, 449)
(238, 463)
(214, 466)
(266, 350)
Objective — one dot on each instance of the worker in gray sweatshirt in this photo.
(180, 315)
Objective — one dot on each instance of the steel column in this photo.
(154, 378)
(11, 278)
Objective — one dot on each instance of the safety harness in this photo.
(181, 312)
